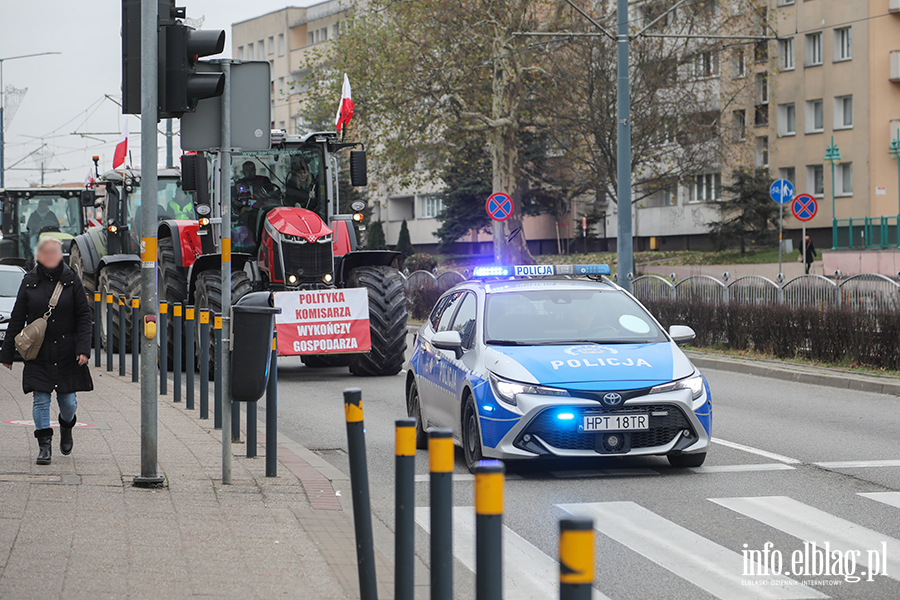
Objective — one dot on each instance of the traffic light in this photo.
(184, 86)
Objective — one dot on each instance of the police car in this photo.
(530, 362)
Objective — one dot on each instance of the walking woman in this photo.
(61, 363)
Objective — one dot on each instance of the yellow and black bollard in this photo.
(440, 464)
(98, 343)
(109, 332)
(177, 345)
(217, 372)
(123, 336)
(489, 480)
(203, 342)
(404, 509)
(163, 334)
(576, 558)
(359, 487)
(135, 339)
(189, 357)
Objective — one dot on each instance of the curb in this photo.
(829, 380)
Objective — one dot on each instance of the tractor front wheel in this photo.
(387, 321)
(208, 295)
(122, 281)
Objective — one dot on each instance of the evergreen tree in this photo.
(467, 185)
(375, 237)
(404, 244)
(749, 216)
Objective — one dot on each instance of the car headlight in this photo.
(507, 390)
(693, 383)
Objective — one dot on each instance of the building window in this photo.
(667, 195)
(761, 51)
(784, 2)
(813, 49)
(260, 50)
(432, 206)
(249, 51)
(739, 125)
(815, 180)
(280, 44)
(335, 29)
(271, 44)
(738, 64)
(706, 187)
(310, 38)
(843, 179)
(786, 54)
(843, 112)
(787, 119)
(240, 53)
(762, 151)
(843, 44)
(705, 64)
(761, 115)
(815, 116)
(762, 88)
(281, 91)
(789, 173)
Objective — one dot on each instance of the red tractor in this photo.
(286, 234)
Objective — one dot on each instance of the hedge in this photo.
(845, 335)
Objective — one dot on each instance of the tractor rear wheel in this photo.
(387, 321)
(122, 281)
(173, 288)
(208, 295)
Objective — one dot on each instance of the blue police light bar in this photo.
(540, 270)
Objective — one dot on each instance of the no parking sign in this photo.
(499, 206)
(804, 207)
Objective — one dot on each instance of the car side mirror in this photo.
(682, 334)
(88, 198)
(448, 340)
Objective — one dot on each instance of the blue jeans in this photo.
(41, 409)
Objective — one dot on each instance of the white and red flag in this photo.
(345, 108)
(121, 148)
(89, 180)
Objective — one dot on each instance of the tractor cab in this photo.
(32, 213)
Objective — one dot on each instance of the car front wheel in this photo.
(471, 438)
(683, 461)
(414, 410)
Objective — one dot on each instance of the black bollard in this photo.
(98, 343)
(177, 323)
(251, 429)
(217, 373)
(204, 363)
(109, 332)
(359, 487)
(163, 333)
(272, 413)
(489, 530)
(576, 558)
(440, 463)
(123, 336)
(189, 357)
(235, 421)
(404, 509)
(135, 339)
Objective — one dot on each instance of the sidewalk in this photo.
(79, 529)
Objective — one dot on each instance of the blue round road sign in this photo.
(782, 191)
(499, 206)
(804, 207)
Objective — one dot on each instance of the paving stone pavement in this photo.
(78, 528)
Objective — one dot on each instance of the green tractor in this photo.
(32, 213)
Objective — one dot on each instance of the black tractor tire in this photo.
(122, 280)
(208, 295)
(173, 288)
(76, 261)
(325, 361)
(387, 321)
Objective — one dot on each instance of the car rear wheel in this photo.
(683, 461)
(471, 438)
(414, 410)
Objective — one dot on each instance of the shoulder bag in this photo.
(30, 339)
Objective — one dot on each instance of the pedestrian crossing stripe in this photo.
(889, 498)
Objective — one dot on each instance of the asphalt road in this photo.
(780, 471)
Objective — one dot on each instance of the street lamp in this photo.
(895, 152)
(3, 106)
(833, 155)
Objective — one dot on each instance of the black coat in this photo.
(68, 332)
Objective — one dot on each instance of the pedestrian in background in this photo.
(61, 363)
(809, 253)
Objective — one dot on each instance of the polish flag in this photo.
(345, 108)
(89, 180)
(121, 148)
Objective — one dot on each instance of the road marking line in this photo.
(757, 451)
(813, 525)
(688, 555)
(889, 498)
(853, 464)
(740, 468)
(528, 573)
(602, 473)
(424, 477)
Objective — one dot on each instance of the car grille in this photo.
(306, 261)
(662, 431)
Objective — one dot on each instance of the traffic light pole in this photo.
(225, 203)
(149, 476)
(624, 245)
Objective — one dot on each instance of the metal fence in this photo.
(866, 232)
(868, 291)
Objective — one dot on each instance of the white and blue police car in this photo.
(555, 361)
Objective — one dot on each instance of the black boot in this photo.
(45, 443)
(65, 434)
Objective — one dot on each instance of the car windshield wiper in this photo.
(575, 342)
(506, 343)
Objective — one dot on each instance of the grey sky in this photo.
(65, 92)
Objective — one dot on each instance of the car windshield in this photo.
(9, 283)
(261, 181)
(567, 316)
(47, 212)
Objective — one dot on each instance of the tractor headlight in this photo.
(292, 279)
(325, 239)
(327, 278)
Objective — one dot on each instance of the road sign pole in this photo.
(780, 237)
(803, 248)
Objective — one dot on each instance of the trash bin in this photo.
(252, 328)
